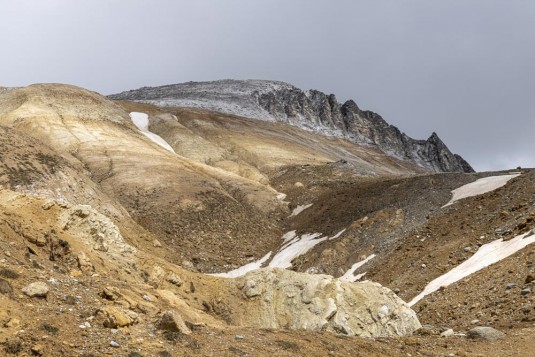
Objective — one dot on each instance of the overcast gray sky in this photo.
(465, 69)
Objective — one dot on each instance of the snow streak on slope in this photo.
(480, 187)
(141, 120)
(338, 234)
(486, 255)
(244, 269)
(300, 209)
(294, 248)
(349, 275)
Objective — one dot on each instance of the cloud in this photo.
(462, 69)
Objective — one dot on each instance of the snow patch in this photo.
(244, 269)
(294, 248)
(480, 187)
(288, 236)
(359, 276)
(486, 255)
(349, 275)
(300, 209)
(337, 234)
(141, 120)
(281, 196)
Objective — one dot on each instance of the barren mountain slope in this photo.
(164, 192)
(98, 297)
(385, 219)
(412, 239)
(388, 220)
(84, 281)
(258, 149)
(97, 214)
(28, 165)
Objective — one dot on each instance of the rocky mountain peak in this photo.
(311, 110)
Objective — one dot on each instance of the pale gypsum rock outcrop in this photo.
(94, 228)
(312, 110)
(278, 298)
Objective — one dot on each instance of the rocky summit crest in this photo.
(311, 110)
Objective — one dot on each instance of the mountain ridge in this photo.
(312, 110)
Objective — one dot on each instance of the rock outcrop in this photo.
(312, 110)
(277, 298)
(94, 228)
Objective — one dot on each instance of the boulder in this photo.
(84, 263)
(484, 333)
(171, 321)
(5, 287)
(37, 289)
(447, 333)
(283, 299)
(110, 293)
(156, 276)
(529, 278)
(114, 318)
(174, 279)
(37, 350)
(12, 323)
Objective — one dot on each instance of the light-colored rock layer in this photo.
(277, 298)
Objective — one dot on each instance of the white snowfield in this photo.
(486, 255)
(350, 274)
(300, 209)
(480, 187)
(244, 269)
(141, 120)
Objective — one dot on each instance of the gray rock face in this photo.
(311, 110)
